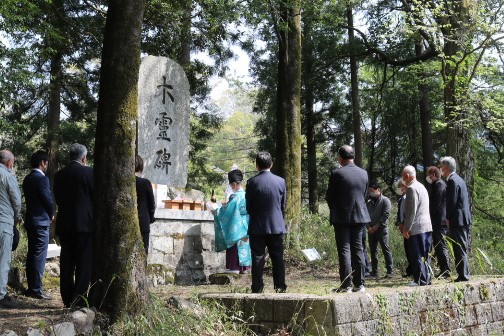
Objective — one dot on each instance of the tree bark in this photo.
(288, 149)
(309, 119)
(354, 92)
(184, 54)
(425, 115)
(458, 136)
(119, 280)
(54, 102)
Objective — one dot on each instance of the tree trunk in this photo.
(311, 153)
(354, 92)
(425, 115)
(119, 281)
(184, 54)
(458, 136)
(55, 87)
(309, 119)
(288, 149)
(53, 122)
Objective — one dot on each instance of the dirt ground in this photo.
(33, 313)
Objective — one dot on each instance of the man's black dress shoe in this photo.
(40, 296)
(8, 303)
(444, 275)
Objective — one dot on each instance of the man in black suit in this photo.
(346, 197)
(266, 199)
(38, 218)
(73, 190)
(146, 206)
(437, 210)
(458, 215)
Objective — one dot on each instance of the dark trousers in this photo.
(381, 236)
(145, 239)
(38, 239)
(274, 243)
(409, 268)
(440, 248)
(419, 246)
(350, 253)
(460, 236)
(367, 264)
(75, 267)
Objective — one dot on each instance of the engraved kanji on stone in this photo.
(163, 123)
(163, 160)
(165, 86)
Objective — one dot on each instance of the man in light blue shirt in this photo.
(10, 208)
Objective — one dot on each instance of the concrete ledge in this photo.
(184, 215)
(471, 308)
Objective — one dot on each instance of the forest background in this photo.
(404, 82)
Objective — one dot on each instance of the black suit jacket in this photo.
(457, 202)
(266, 199)
(73, 190)
(437, 203)
(39, 201)
(145, 203)
(346, 195)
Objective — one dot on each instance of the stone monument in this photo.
(181, 248)
(163, 121)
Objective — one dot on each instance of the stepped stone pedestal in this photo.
(181, 248)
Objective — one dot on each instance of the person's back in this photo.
(266, 210)
(73, 190)
(346, 195)
(146, 205)
(266, 199)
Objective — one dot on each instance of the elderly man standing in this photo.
(458, 215)
(346, 197)
(417, 227)
(437, 207)
(73, 191)
(10, 208)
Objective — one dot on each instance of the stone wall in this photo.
(181, 248)
(471, 308)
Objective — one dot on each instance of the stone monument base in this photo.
(182, 248)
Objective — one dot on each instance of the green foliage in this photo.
(161, 319)
(201, 174)
(315, 232)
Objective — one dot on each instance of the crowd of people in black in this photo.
(73, 195)
(358, 212)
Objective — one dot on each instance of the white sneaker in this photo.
(342, 290)
(412, 284)
(360, 289)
